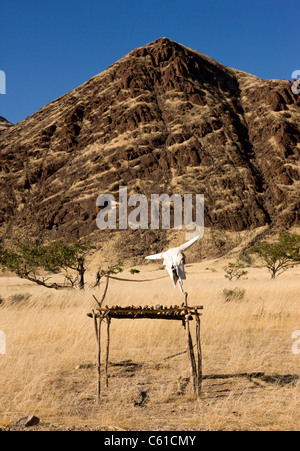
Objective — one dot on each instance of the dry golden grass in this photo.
(49, 335)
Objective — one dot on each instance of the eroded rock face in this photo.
(4, 124)
(163, 119)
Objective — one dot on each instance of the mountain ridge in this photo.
(4, 124)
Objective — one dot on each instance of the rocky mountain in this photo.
(4, 124)
(163, 119)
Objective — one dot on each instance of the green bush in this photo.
(235, 270)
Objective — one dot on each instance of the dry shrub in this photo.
(235, 294)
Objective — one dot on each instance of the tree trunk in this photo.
(81, 272)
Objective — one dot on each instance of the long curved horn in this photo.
(185, 246)
(154, 257)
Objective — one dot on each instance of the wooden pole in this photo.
(99, 361)
(105, 290)
(95, 325)
(107, 349)
(199, 355)
(98, 365)
(104, 294)
(190, 348)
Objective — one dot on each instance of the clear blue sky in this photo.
(48, 47)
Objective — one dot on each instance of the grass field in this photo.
(49, 370)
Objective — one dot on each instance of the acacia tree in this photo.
(30, 261)
(278, 257)
(70, 256)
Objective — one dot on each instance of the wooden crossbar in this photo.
(139, 315)
(150, 310)
(177, 313)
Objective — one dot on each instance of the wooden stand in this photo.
(184, 314)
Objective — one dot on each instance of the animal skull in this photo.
(174, 261)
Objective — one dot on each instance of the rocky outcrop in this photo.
(4, 124)
(163, 119)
